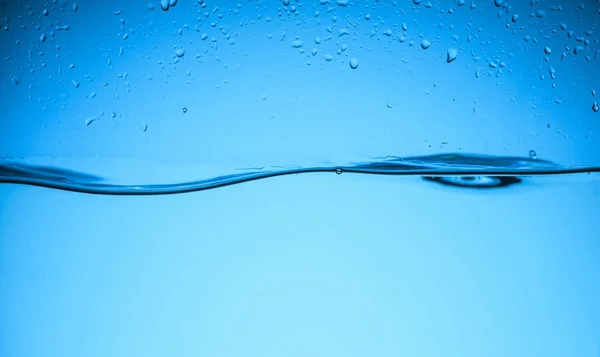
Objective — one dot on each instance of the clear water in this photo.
(299, 178)
(316, 264)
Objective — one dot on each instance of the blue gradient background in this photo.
(320, 264)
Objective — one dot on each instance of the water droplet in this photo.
(263, 97)
(317, 40)
(45, 12)
(547, 50)
(286, 2)
(151, 6)
(338, 171)
(343, 2)
(43, 37)
(452, 54)
(75, 84)
(532, 154)
(328, 58)
(75, 7)
(416, 2)
(595, 107)
(184, 110)
(297, 43)
(354, 63)
(172, 3)
(389, 105)
(388, 33)
(515, 17)
(89, 121)
(540, 13)
(498, 3)
(179, 52)
(164, 4)
(548, 125)
(425, 44)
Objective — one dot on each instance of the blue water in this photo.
(299, 178)
(473, 171)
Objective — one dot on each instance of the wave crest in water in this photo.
(461, 170)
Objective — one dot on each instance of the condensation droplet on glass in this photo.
(389, 105)
(151, 6)
(179, 52)
(75, 7)
(354, 63)
(416, 2)
(297, 44)
(286, 2)
(184, 110)
(425, 44)
(263, 97)
(164, 4)
(515, 17)
(451, 55)
(547, 50)
(498, 3)
(595, 108)
(338, 171)
(532, 154)
(43, 37)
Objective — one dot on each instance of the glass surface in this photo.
(299, 178)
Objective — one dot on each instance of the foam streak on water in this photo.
(461, 170)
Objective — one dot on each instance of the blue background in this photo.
(317, 264)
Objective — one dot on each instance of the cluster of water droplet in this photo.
(343, 27)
